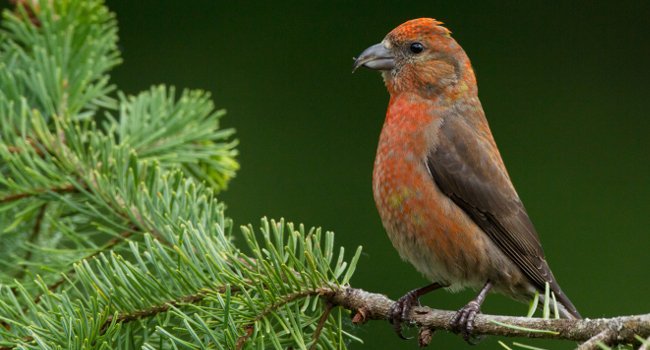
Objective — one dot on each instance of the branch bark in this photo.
(615, 330)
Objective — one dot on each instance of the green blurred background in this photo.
(565, 87)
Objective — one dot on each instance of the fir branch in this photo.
(615, 330)
(284, 300)
(36, 230)
(156, 309)
(66, 275)
(121, 318)
(144, 313)
(38, 192)
(321, 325)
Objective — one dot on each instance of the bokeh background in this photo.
(565, 87)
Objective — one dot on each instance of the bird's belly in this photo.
(431, 232)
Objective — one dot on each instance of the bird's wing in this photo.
(467, 167)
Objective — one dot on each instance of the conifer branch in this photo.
(156, 309)
(321, 325)
(67, 274)
(200, 296)
(612, 331)
(18, 196)
(32, 238)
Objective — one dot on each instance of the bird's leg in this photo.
(402, 307)
(463, 321)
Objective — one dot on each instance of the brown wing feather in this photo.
(464, 167)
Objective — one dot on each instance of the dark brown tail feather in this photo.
(568, 310)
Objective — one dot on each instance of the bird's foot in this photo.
(401, 310)
(463, 321)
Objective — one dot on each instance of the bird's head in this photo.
(418, 56)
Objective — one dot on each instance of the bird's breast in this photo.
(426, 227)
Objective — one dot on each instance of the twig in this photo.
(605, 337)
(154, 310)
(32, 238)
(377, 307)
(241, 341)
(17, 196)
(250, 328)
(321, 324)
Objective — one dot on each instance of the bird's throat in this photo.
(435, 80)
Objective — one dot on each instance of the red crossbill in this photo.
(441, 188)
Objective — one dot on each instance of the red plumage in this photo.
(440, 185)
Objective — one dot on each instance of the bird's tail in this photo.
(565, 306)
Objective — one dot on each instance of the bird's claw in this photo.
(401, 310)
(463, 320)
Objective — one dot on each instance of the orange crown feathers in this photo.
(417, 27)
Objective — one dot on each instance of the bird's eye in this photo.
(416, 47)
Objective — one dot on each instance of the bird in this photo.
(441, 188)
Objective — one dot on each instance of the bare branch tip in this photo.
(361, 316)
(425, 335)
